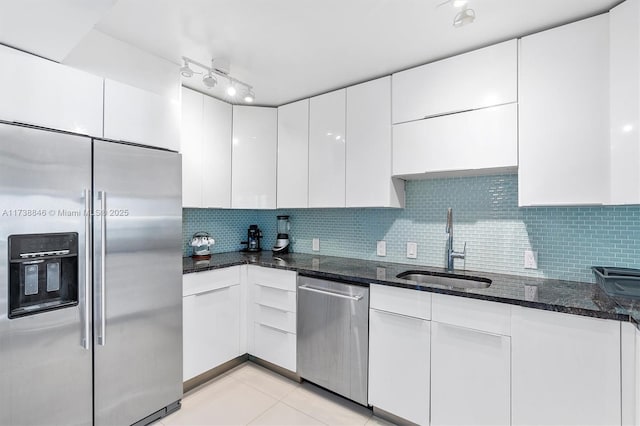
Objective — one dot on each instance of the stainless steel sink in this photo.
(445, 279)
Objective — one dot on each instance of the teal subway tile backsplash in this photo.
(569, 240)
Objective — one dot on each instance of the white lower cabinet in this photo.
(470, 361)
(565, 369)
(272, 315)
(470, 376)
(211, 319)
(399, 348)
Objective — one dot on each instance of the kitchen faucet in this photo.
(451, 253)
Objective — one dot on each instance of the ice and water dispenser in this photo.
(43, 272)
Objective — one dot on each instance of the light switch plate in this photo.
(381, 248)
(412, 250)
(315, 245)
(530, 259)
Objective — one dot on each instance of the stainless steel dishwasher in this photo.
(333, 336)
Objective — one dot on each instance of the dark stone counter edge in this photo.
(366, 281)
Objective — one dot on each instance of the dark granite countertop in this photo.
(571, 297)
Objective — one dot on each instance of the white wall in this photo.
(106, 56)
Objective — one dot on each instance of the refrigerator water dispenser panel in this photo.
(43, 272)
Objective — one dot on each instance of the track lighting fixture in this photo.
(209, 80)
(211, 74)
(249, 97)
(464, 17)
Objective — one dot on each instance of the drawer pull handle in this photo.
(395, 314)
(273, 328)
(211, 291)
(307, 287)
(272, 307)
(271, 287)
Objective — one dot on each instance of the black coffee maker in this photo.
(253, 239)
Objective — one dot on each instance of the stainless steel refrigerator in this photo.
(90, 280)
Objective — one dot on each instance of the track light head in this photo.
(231, 90)
(249, 97)
(209, 80)
(185, 70)
(464, 17)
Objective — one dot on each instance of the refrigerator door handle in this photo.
(86, 332)
(102, 334)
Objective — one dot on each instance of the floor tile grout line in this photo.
(306, 414)
(263, 413)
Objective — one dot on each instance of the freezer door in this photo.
(137, 282)
(45, 358)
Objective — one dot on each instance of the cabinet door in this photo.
(216, 153)
(253, 176)
(624, 69)
(564, 126)
(565, 369)
(293, 155)
(43, 93)
(448, 85)
(485, 139)
(139, 116)
(191, 141)
(368, 151)
(470, 377)
(211, 329)
(399, 365)
(327, 150)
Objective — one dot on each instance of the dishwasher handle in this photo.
(307, 287)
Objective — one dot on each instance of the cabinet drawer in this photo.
(275, 297)
(275, 346)
(491, 317)
(403, 301)
(200, 282)
(275, 317)
(269, 277)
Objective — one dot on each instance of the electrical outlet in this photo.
(530, 293)
(315, 245)
(530, 259)
(381, 248)
(412, 250)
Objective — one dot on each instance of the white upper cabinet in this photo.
(565, 369)
(327, 150)
(624, 42)
(368, 149)
(139, 116)
(485, 139)
(206, 151)
(564, 110)
(254, 153)
(216, 153)
(293, 155)
(43, 93)
(473, 80)
(191, 142)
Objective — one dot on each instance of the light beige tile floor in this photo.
(252, 395)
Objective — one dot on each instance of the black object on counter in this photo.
(618, 282)
(253, 239)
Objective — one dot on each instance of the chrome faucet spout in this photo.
(451, 253)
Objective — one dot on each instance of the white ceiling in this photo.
(291, 49)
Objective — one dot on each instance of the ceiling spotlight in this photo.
(209, 80)
(459, 3)
(231, 90)
(249, 97)
(464, 17)
(185, 70)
